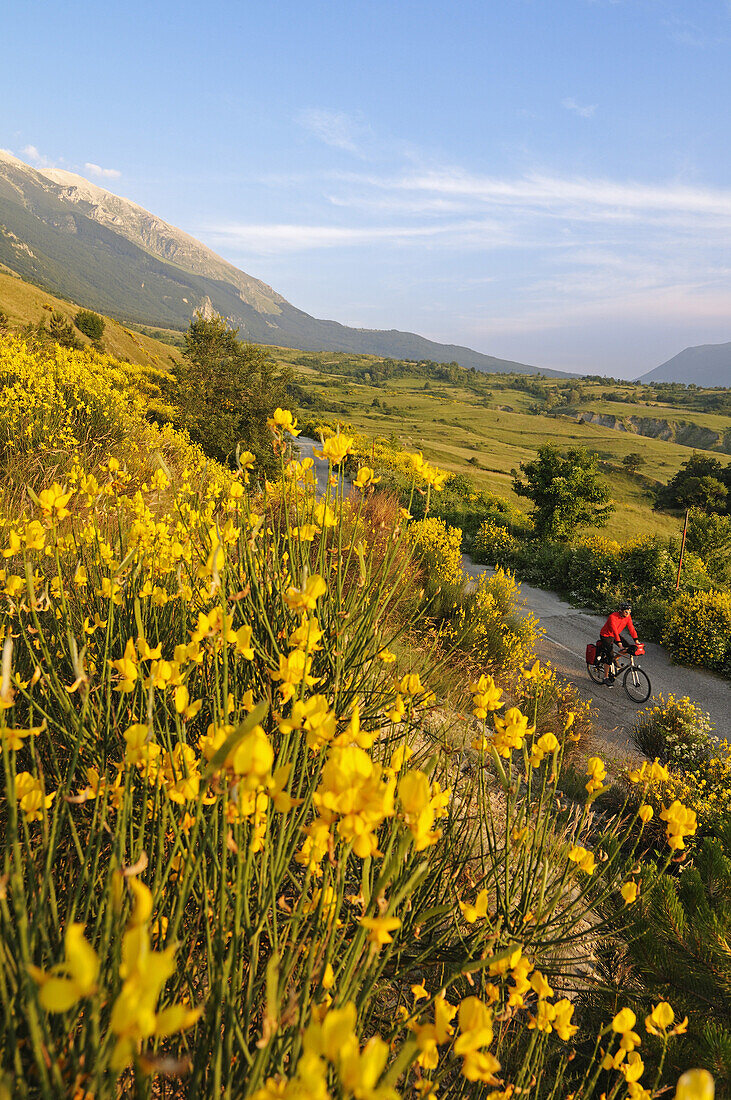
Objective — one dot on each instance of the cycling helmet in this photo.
(624, 605)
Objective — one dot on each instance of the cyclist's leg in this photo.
(607, 653)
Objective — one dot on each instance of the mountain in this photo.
(75, 239)
(706, 365)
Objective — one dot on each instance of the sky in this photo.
(547, 181)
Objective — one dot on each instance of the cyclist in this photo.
(611, 634)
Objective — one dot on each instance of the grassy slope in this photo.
(26, 304)
(455, 427)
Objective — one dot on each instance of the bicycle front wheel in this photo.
(637, 684)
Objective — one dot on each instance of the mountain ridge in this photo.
(703, 364)
(62, 232)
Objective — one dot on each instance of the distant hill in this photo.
(705, 365)
(24, 304)
(77, 240)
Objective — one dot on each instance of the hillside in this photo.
(75, 239)
(705, 365)
(25, 304)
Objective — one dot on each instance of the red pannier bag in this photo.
(590, 654)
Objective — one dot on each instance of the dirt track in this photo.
(567, 630)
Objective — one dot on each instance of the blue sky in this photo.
(544, 180)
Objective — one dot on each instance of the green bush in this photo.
(676, 949)
(698, 630)
(91, 324)
(675, 731)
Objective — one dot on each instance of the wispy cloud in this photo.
(103, 173)
(584, 111)
(579, 197)
(334, 128)
(37, 158)
(270, 238)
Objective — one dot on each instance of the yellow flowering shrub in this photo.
(698, 630)
(494, 543)
(229, 853)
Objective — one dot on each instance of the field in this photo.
(482, 428)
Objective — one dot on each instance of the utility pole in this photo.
(682, 548)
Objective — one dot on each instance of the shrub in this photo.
(439, 549)
(698, 630)
(490, 626)
(675, 731)
(676, 949)
(91, 324)
(494, 544)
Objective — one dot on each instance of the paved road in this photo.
(567, 630)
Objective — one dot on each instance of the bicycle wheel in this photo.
(596, 672)
(637, 684)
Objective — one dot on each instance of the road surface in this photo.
(567, 631)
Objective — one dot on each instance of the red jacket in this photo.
(615, 624)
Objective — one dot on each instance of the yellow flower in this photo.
(695, 1084)
(562, 1021)
(649, 773)
(680, 822)
(486, 696)
(126, 666)
(583, 858)
(511, 731)
(379, 928)
(397, 711)
(624, 1021)
(305, 598)
(29, 792)
(53, 501)
(597, 774)
(479, 909)
(365, 477)
(283, 421)
(336, 448)
(633, 1068)
(645, 814)
(252, 758)
(630, 892)
(74, 978)
(293, 670)
(661, 1018)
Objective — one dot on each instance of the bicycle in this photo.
(635, 681)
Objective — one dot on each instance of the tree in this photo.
(91, 324)
(701, 482)
(709, 535)
(633, 461)
(566, 491)
(61, 331)
(226, 390)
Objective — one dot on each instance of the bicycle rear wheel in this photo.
(637, 684)
(596, 672)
